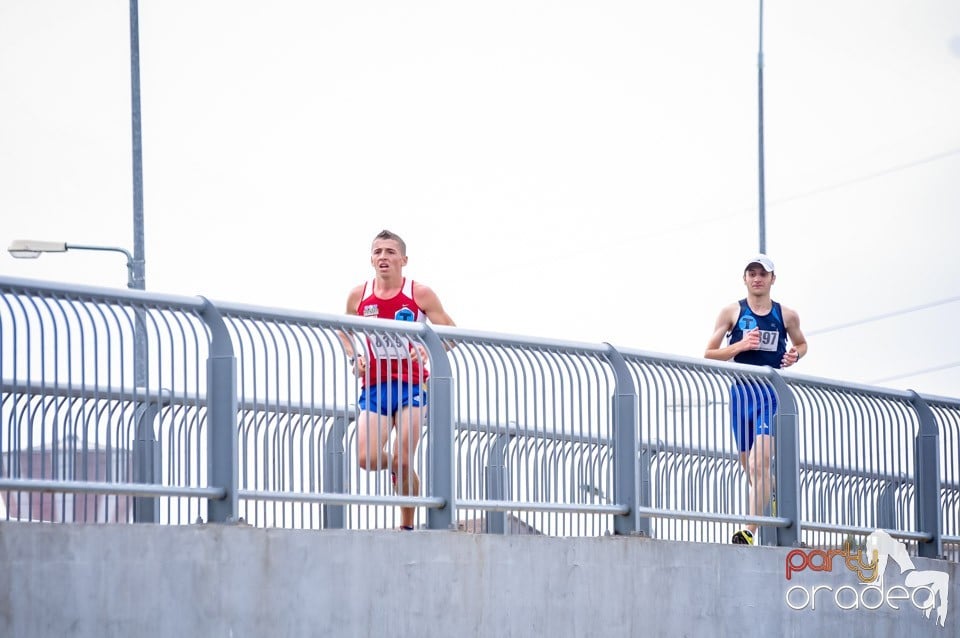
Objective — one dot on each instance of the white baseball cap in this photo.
(763, 260)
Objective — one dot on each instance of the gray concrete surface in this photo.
(237, 581)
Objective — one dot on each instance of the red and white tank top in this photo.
(391, 356)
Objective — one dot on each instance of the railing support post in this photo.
(626, 414)
(146, 461)
(787, 449)
(333, 515)
(441, 430)
(496, 477)
(222, 450)
(929, 516)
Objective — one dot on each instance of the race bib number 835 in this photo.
(390, 346)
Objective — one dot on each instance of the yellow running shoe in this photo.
(743, 537)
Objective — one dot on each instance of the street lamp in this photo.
(30, 249)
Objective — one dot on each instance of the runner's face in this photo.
(386, 258)
(758, 280)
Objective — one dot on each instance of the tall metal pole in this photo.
(763, 203)
(146, 450)
(137, 280)
(138, 257)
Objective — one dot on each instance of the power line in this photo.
(722, 217)
(863, 178)
(886, 315)
(917, 373)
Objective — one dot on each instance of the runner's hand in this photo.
(422, 354)
(790, 357)
(359, 363)
(752, 339)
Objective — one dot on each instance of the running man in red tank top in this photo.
(392, 375)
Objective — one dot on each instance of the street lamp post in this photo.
(146, 451)
(763, 203)
(136, 263)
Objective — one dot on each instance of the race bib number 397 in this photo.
(769, 340)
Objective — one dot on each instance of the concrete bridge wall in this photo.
(238, 581)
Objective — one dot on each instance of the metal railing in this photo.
(249, 413)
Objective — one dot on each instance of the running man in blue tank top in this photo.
(757, 329)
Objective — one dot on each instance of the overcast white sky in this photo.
(579, 170)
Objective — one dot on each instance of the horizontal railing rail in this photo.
(132, 406)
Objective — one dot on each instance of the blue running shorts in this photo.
(753, 406)
(387, 398)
